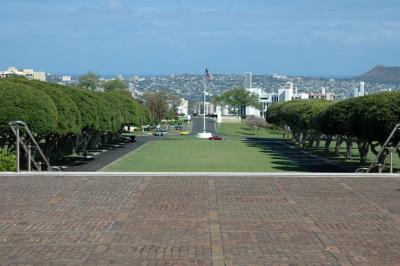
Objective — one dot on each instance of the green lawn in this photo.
(242, 130)
(355, 159)
(187, 154)
(237, 131)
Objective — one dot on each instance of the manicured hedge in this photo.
(66, 116)
(366, 120)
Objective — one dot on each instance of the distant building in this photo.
(358, 91)
(361, 88)
(210, 108)
(66, 79)
(249, 110)
(354, 93)
(28, 73)
(323, 96)
(183, 107)
(223, 110)
(276, 76)
(301, 96)
(286, 93)
(247, 80)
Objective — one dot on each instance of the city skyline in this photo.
(306, 38)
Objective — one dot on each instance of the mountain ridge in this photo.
(382, 73)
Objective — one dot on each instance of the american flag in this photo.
(208, 75)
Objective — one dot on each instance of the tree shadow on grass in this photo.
(283, 152)
(245, 131)
(351, 164)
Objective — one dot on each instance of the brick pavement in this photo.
(117, 220)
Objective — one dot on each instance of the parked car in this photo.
(216, 138)
(184, 132)
(131, 138)
(158, 133)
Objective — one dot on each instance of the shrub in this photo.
(7, 161)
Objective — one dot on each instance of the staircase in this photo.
(25, 141)
(390, 149)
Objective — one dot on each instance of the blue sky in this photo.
(297, 37)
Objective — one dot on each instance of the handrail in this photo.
(15, 127)
(26, 149)
(38, 147)
(397, 126)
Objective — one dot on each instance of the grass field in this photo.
(242, 130)
(354, 157)
(235, 131)
(187, 154)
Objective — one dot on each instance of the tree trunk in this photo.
(75, 142)
(383, 157)
(94, 141)
(303, 139)
(338, 143)
(317, 141)
(50, 146)
(296, 136)
(363, 149)
(328, 143)
(311, 140)
(349, 147)
(85, 142)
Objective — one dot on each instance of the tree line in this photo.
(66, 119)
(366, 121)
(161, 104)
(238, 98)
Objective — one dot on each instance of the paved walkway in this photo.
(105, 158)
(199, 220)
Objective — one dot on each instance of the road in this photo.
(103, 159)
(197, 125)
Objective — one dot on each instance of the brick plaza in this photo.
(199, 220)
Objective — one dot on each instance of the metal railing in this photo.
(381, 165)
(17, 127)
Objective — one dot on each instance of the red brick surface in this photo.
(199, 220)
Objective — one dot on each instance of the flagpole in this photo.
(204, 134)
(204, 104)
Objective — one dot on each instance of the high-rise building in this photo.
(247, 80)
(361, 88)
(355, 92)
